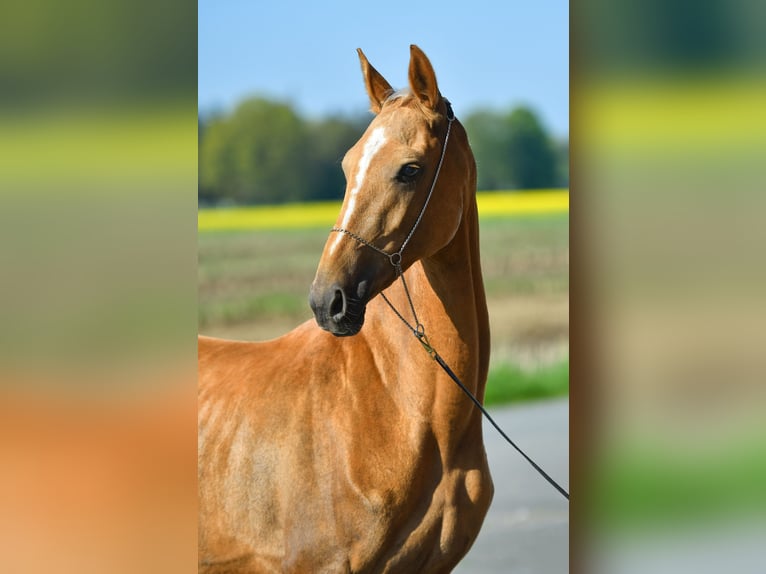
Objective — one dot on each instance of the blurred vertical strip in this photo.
(98, 173)
(667, 210)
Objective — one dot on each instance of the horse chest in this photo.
(426, 528)
(381, 499)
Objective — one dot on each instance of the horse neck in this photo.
(448, 295)
(455, 309)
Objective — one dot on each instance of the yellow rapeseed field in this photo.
(305, 215)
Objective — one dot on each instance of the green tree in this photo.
(513, 150)
(264, 152)
(487, 136)
(258, 154)
(562, 163)
(329, 140)
(531, 158)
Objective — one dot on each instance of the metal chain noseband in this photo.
(418, 329)
(394, 258)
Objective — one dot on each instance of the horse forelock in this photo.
(399, 94)
(405, 98)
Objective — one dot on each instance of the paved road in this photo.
(527, 528)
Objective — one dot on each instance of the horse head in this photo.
(401, 164)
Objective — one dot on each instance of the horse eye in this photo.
(408, 173)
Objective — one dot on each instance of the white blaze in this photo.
(371, 147)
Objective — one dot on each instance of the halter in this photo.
(418, 329)
(396, 257)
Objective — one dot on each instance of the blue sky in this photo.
(485, 53)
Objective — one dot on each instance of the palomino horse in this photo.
(325, 452)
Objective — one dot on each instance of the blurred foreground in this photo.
(669, 401)
(98, 140)
(98, 484)
(97, 349)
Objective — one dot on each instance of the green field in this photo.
(254, 284)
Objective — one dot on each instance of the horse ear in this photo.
(378, 89)
(422, 78)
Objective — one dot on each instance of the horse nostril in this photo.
(338, 305)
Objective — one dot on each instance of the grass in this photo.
(520, 256)
(245, 277)
(642, 486)
(508, 383)
(251, 308)
(527, 254)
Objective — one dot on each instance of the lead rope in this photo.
(419, 330)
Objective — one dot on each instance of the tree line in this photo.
(266, 152)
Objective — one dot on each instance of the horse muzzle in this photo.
(339, 310)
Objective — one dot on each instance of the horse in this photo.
(341, 446)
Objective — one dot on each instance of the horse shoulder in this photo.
(258, 414)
